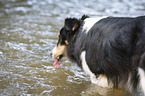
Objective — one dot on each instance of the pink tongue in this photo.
(56, 63)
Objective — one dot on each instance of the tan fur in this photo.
(58, 34)
(59, 50)
(66, 42)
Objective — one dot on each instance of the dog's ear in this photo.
(84, 17)
(77, 23)
(71, 24)
(75, 27)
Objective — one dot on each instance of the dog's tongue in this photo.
(56, 63)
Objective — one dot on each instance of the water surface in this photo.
(28, 33)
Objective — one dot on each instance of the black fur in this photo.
(114, 47)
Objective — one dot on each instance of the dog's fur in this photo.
(110, 49)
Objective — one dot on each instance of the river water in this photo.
(28, 33)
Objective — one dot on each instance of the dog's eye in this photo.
(60, 40)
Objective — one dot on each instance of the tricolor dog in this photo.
(111, 50)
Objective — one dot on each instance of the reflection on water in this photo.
(28, 32)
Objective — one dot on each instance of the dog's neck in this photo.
(75, 45)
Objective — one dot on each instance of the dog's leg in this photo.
(141, 73)
(101, 80)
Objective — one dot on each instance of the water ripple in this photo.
(28, 33)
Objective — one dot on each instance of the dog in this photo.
(111, 50)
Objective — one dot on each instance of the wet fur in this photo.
(115, 47)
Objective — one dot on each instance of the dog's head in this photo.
(66, 34)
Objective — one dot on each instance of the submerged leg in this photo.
(141, 73)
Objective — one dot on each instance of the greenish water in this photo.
(28, 33)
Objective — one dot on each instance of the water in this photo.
(28, 33)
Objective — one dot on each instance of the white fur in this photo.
(101, 80)
(129, 86)
(59, 50)
(53, 51)
(141, 73)
(89, 22)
